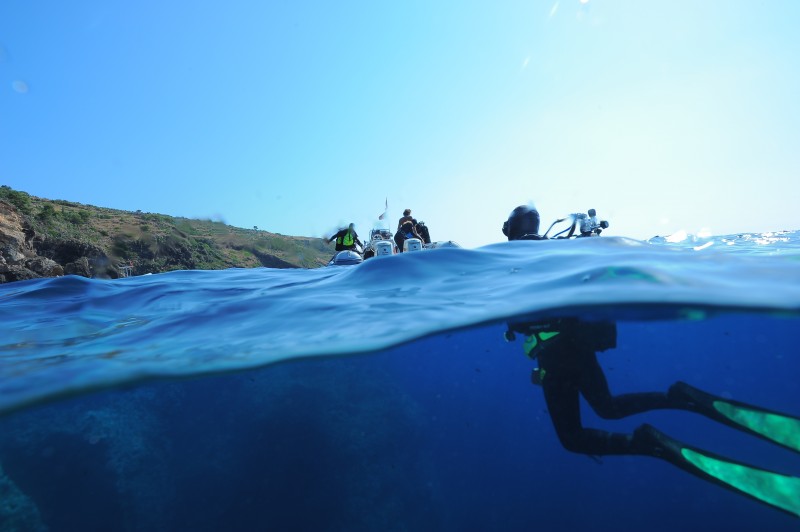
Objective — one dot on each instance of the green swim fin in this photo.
(778, 428)
(774, 489)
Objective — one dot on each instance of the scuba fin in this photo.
(773, 489)
(778, 428)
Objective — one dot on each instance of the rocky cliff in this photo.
(19, 259)
(47, 238)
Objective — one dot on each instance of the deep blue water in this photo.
(383, 396)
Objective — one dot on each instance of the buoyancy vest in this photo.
(596, 336)
(347, 239)
(535, 342)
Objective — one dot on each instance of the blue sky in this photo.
(301, 116)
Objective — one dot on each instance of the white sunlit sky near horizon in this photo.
(298, 117)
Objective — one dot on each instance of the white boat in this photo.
(441, 244)
(346, 258)
(381, 244)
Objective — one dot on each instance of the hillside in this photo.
(43, 238)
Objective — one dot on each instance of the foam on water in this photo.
(67, 335)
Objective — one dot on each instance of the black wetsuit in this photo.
(340, 240)
(570, 369)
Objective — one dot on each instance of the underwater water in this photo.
(384, 396)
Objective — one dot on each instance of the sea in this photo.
(388, 396)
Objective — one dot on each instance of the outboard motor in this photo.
(412, 244)
(383, 248)
(346, 258)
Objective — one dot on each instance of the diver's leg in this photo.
(773, 426)
(562, 396)
(774, 489)
(594, 387)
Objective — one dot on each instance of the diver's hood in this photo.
(522, 221)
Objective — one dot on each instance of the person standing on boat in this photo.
(406, 218)
(346, 239)
(420, 229)
(566, 349)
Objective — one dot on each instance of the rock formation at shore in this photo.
(44, 238)
(19, 259)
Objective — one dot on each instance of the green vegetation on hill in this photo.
(156, 242)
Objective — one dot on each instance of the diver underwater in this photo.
(566, 350)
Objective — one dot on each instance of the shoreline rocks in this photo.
(24, 254)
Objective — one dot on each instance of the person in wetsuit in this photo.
(423, 231)
(406, 218)
(407, 230)
(566, 349)
(346, 239)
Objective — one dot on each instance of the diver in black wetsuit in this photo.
(566, 350)
(346, 239)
